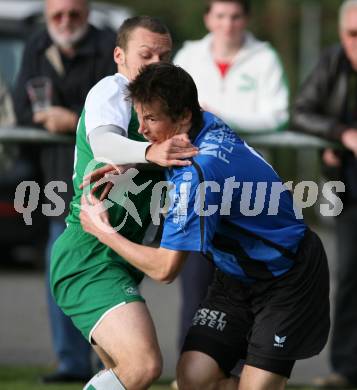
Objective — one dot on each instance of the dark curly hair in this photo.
(172, 86)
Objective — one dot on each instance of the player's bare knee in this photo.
(152, 369)
(259, 379)
(190, 377)
(145, 369)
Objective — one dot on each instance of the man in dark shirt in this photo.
(74, 56)
(327, 106)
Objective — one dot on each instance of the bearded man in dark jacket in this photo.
(74, 56)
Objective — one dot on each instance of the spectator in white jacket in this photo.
(241, 80)
(238, 77)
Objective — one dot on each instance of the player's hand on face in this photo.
(173, 152)
(94, 217)
(101, 178)
(57, 119)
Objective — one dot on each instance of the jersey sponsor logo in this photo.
(219, 143)
(212, 318)
(279, 341)
(179, 210)
(180, 202)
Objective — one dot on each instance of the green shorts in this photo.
(88, 279)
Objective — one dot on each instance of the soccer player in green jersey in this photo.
(90, 282)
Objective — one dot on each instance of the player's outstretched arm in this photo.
(175, 151)
(160, 264)
(109, 143)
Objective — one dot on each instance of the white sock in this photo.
(104, 380)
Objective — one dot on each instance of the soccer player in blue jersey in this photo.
(269, 301)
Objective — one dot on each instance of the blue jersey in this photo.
(231, 205)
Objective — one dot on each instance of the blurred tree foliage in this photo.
(277, 21)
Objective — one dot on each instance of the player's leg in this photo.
(291, 321)
(217, 339)
(196, 370)
(104, 357)
(261, 373)
(105, 305)
(195, 277)
(253, 378)
(127, 335)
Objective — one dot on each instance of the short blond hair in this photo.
(129, 25)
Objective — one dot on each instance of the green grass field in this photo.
(21, 378)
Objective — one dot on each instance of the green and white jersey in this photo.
(80, 264)
(106, 104)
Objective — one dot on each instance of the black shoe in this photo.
(62, 377)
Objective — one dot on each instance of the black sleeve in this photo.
(105, 64)
(308, 111)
